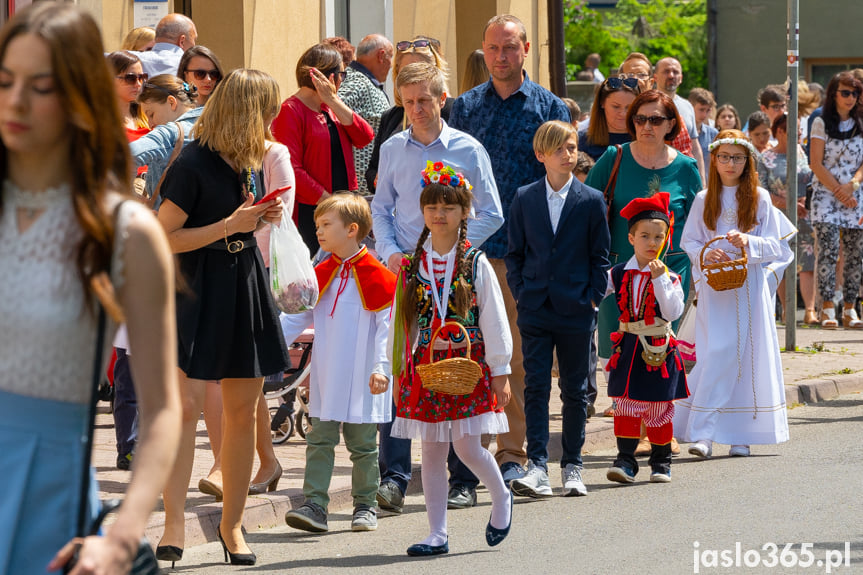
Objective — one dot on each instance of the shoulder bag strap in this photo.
(178, 147)
(608, 193)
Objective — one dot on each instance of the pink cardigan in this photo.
(305, 133)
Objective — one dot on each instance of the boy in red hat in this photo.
(646, 371)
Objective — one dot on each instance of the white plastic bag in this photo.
(292, 277)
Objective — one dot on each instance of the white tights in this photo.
(435, 487)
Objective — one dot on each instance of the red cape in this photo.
(377, 284)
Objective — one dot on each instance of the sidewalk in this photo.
(827, 364)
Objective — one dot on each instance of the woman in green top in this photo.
(648, 165)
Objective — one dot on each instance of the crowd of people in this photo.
(467, 248)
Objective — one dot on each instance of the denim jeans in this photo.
(125, 405)
(394, 457)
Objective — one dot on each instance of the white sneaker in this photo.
(570, 476)
(739, 451)
(702, 448)
(534, 483)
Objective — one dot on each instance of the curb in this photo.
(267, 511)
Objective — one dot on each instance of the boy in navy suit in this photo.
(556, 268)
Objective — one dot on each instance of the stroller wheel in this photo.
(284, 431)
(304, 423)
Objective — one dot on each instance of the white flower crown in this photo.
(735, 142)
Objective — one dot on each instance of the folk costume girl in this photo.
(449, 283)
(737, 388)
(646, 370)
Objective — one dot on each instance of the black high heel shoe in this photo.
(236, 558)
(169, 553)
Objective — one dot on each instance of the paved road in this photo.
(806, 491)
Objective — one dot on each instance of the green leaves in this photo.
(658, 28)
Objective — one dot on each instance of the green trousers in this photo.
(361, 439)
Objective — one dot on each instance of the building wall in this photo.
(752, 43)
(271, 35)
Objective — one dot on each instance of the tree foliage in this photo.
(657, 28)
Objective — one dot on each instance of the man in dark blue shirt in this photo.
(503, 114)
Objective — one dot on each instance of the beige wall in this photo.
(271, 35)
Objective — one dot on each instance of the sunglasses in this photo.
(848, 93)
(618, 83)
(202, 74)
(132, 79)
(405, 45)
(339, 75)
(641, 119)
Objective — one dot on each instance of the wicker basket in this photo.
(723, 276)
(452, 376)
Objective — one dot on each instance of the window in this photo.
(821, 70)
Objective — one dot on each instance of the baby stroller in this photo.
(294, 384)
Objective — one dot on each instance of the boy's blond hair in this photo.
(552, 135)
(351, 208)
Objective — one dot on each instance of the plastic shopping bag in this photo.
(292, 277)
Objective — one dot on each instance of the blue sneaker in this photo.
(511, 470)
(621, 474)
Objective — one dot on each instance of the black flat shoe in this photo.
(422, 550)
(493, 535)
(169, 553)
(236, 558)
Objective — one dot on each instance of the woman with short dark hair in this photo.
(319, 130)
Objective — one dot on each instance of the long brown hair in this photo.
(98, 150)
(597, 130)
(747, 189)
(439, 194)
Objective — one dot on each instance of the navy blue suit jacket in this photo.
(569, 267)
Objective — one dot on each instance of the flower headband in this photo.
(438, 173)
(735, 142)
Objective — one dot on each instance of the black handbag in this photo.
(145, 560)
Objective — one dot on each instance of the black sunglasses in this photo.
(641, 119)
(848, 93)
(617, 83)
(340, 75)
(202, 74)
(132, 79)
(405, 45)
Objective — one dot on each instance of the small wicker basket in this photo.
(451, 376)
(723, 276)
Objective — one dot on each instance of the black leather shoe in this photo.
(461, 497)
(169, 553)
(422, 550)
(236, 558)
(493, 535)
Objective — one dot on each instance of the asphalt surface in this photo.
(805, 492)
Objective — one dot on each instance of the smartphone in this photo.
(273, 195)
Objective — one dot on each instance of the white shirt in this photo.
(666, 288)
(164, 58)
(556, 201)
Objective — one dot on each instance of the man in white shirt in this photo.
(668, 77)
(175, 34)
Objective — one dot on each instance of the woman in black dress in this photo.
(227, 321)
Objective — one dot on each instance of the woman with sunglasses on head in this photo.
(70, 232)
(607, 125)
(836, 159)
(199, 67)
(129, 79)
(420, 49)
(319, 130)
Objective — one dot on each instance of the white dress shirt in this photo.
(556, 201)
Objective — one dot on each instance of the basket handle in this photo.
(437, 332)
(716, 239)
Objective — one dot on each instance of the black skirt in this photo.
(227, 321)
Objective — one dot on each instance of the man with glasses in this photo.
(175, 34)
(668, 77)
(772, 101)
(362, 91)
(503, 114)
